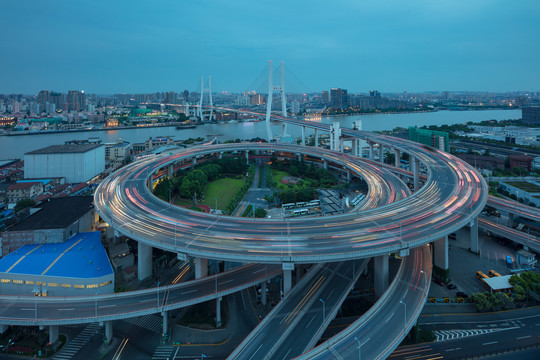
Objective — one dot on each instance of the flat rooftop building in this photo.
(79, 266)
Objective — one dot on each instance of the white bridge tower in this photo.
(281, 89)
(209, 90)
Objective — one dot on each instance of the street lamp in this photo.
(216, 205)
(359, 348)
(405, 314)
(97, 292)
(157, 295)
(323, 311)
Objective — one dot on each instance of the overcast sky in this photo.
(136, 46)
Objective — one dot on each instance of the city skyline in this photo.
(420, 46)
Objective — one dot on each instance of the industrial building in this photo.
(79, 266)
(530, 115)
(437, 139)
(74, 162)
(53, 221)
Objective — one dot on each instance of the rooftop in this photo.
(499, 282)
(56, 213)
(82, 256)
(65, 149)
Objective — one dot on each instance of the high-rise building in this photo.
(338, 98)
(75, 101)
(43, 98)
(325, 98)
(437, 139)
(171, 98)
(58, 99)
(530, 115)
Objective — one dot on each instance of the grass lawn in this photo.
(223, 189)
(278, 175)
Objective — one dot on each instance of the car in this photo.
(438, 282)
(451, 286)
(461, 294)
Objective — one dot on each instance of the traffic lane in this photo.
(313, 322)
(90, 308)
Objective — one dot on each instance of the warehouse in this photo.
(79, 266)
(74, 162)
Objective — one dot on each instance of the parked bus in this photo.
(300, 212)
(288, 206)
(481, 276)
(493, 273)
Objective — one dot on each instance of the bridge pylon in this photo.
(271, 89)
(203, 90)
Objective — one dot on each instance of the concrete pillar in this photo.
(221, 155)
(218, 312)
(287, 281)
(53, 334)
(354, 147)
(440, 253)
(511, 220)
(299, 156)
(151, 182)
(201, 267)
(348, 175)
(283, 129)
(381, 153)
(3, 328)
(316, 138)
(371, 157)
(247, 157)
(108, 332)
(170, 171)
(194, 162)
(473, 227)
(144, 261)
(416, 173)
(397, 156)
(325, 164)
(263, 292)
(303, 136)
(380, 269)
(165, 315)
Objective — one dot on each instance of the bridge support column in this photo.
(218, 311)
(193, 162)
(263, 292)
(299, 156)
(151, 182)
(440, 253)
(397, 158)
(381, 153)
(303, 136)
(170, 171)
(3, 328)
(371, 157)
(473, 228)
(53, 334)
(511, 220)
(247, 157)
(348, 175)
(221, 155)
(325, 164)
(287, 277)
(108, 331)
(144, 261)
(416, 173)
(165, 315)
(380, 269)
(316, 138)
(201, 267)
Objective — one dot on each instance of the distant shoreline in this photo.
(48, 132)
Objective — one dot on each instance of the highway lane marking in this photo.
(224, 282)
(490, 343)
(391, 316)
(454, 349)
(106, 306)
(285, 357)
(258, 271)
(188, 292)
(146, 300)
(66, 309)
(260, 346)
(523, 337)
(423, 356)
(310, 321)
(33, 309)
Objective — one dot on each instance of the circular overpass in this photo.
(452, 195)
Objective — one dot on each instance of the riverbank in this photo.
(179, 126)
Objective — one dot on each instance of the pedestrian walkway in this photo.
(443, 335)
(163, 352)
(72, 347)
(152, 322)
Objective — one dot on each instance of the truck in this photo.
(509, 262)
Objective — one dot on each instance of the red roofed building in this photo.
(24, 190)
(522, 161)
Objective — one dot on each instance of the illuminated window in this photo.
(91, 286)
(28, 282)
(79, 286)
(53, 284)
(17, 281)
(106, 283)
(66, 285)
(6, 280)
(40, 283)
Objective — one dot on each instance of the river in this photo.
(15, 146)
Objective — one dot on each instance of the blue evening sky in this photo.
(139, 46)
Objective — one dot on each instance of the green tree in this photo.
(260, 213)
(23, 204)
